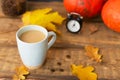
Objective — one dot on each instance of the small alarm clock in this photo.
(74, 22)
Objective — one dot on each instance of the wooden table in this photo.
(67, 50)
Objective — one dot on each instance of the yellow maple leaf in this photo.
(26, 18)
(92, 52)
(20, 73)
(43, 17)
(84, 73)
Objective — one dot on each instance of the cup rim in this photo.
(46, 35)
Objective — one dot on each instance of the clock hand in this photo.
(73, 24)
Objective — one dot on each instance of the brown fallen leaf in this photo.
(92, 52)
(21, 72)
(93, 29)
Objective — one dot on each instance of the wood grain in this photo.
(67, 50)
(60, 66)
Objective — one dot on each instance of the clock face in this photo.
(73, 26)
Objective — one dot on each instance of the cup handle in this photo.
(53, 39)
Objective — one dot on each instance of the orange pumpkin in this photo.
(111, 14)
(86, 8)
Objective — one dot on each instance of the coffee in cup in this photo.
(32, 36)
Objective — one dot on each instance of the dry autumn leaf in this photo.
(43, 17)
(84, 73)
(20, 73)
(93, 29)
(92, 52)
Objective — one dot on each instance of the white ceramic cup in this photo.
(33, 55)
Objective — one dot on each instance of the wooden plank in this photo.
(54, 78)
(59, 64)
(46, 78)
(103, 37)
